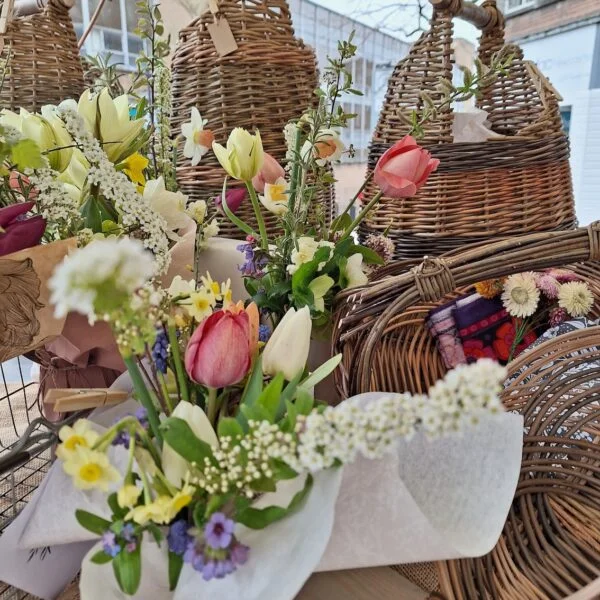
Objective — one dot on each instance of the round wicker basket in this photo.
(40, 46)
(381, 331)
(267, 81)
(518, 184)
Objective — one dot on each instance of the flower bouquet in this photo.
(227, 418)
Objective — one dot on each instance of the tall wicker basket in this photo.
(39, 42)
(267, 81)
(515, 185)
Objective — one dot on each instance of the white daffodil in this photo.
(170, 205)
(276, 197)
(180, 287)
(319, 287)
(198, 141)
(354, 271)
(327, 148)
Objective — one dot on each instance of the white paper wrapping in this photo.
(472, 126)
(431, 500)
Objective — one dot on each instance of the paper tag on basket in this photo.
(222, 36)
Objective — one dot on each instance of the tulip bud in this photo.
(18, 233)
(287, 350)
(175, 467)
(243, 158)
(234, 198)
(271, 172)
(404, 168)
(219, 352)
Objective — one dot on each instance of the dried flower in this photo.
(576, 298)
(490, 288)
(521, 295)
(382, 245)
(557, 316)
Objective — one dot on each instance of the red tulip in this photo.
(404, 168)
(219, 353)
(270, 173)
(234, 197)
(18, 232)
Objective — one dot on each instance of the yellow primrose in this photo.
(90, 469)
(319, 287)
(164, 509)
(276, 197)
(221, 291)
(81, 435)
(200, 304)
(128, 496)
(134, 167)
(243, 157)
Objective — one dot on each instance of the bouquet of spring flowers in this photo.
(539, 300)
(227, 416)
(311, 260)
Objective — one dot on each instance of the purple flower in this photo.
(160, 351)
(264, 333)
(131, 547)
(127, 532)
(178, 538)
(209, 570)
(109, 544)
(234, 198)
(239, 553)
(218, 532)
(141, 414)
(255, 259)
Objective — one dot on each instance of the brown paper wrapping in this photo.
(27, 319)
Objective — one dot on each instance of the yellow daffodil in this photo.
(319, 287)
(164, 509)
(90, 469)
(243, 157)
(81, 435)
(128, 496)
(134, 167)
(221, 291)
(276, 197)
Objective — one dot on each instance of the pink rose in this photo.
(219, 352)
(271, 171)
(404, 168)
(18, 232)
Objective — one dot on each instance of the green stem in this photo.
(144, 396)
(165, 392)
(235, 220)
(147, 489)
(264, 240)
(295, 170)
(174, 342)
(363, 213)
(212, 406)
(131, 454)
(360, 191)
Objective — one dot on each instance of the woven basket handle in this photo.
(5, 16)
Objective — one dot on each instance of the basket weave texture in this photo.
(515, 185)
(264, 84)
(44, 66)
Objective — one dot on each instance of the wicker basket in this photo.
(381, 330)
(269, 80)
(518, 184)
(40, 44)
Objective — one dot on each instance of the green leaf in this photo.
(263, 485)
(371, 257)
(322, 372)
(270, 397)
(288, 395)
(175, 566)
(127, 567)
(254, 413)
(177, 433)
(155, 532)
(282, 470)
(91, 522)
(26, 154)
(341, 223)
(118, 512)
(305, 401)
(214, 504)
(199, 515)
(259, 518)
(230, 427)
(92, 214)
(101, 558)
(291, 414)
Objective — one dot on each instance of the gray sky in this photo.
(380, 13)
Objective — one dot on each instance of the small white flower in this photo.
(180, 287)
(211, 230)
(198, 140)
(197, 210)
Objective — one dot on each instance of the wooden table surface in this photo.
(381, 583)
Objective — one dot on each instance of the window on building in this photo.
(565, 115)
(516, 5)
(113, 31)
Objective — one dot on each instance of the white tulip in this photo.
(287, 350)
(354, 271)
(175, 467)
(170, 205)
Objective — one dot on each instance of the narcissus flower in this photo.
(276, 197)
(198, 141)
(90, 469)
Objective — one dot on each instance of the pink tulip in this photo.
(18, 232)
(404, 168)
(270, 173)
(234, 197)
(218, 353)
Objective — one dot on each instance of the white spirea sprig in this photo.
(337, 435)
(136, 212)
